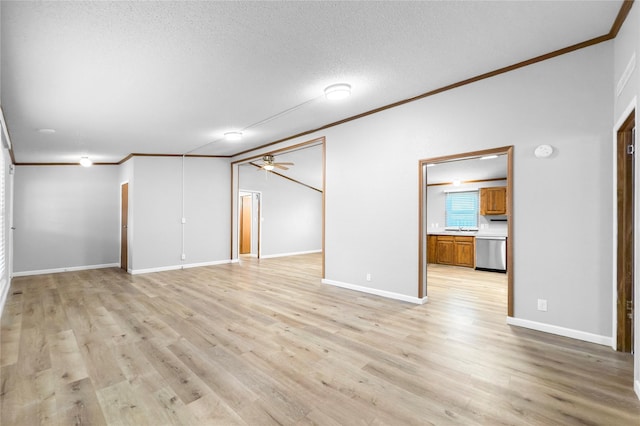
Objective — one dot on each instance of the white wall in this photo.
(292, 213)
(371, 214)
(207, 210)
(65, 217)
(157, 231)
(626, 44)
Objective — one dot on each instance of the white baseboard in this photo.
(383, 293)
(560, 331)
(269, 256)
(175, 267)
(67, 269)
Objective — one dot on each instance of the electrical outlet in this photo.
(183, 257)
(542, 305)
(368, 277)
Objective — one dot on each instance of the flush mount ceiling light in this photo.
(85, 162)
(337, 91)
(233, 136)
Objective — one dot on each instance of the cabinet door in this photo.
(464, 254)
(432, 249)
(445, 250)
(493, 201)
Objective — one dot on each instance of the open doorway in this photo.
(625, 158)
(292, 222)
(500, 206)
(249, 221)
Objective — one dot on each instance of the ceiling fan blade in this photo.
(280, 166)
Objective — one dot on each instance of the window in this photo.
(461, 209)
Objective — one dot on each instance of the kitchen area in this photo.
(467, 222)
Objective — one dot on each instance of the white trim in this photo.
(383, 293)
(5, 131)
(560, 331)
(636, 388)
(269, 256)
(67, 269)
(4, 295)
(626, 74)
(175, 267)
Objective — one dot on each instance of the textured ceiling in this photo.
(114, 78)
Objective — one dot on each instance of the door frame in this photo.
(422, 225)
(259, 217)
(625, 247)
(124, 213)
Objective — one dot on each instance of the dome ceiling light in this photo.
(337, 91)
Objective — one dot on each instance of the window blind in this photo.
(461, 209)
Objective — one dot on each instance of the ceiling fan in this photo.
(269, 163)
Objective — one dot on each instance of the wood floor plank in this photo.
(10, 331)
(77, 404)
(66, 358)
(265, 342)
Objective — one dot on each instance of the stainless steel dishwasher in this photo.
(491, 253)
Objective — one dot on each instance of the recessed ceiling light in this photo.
(337, 91)
(85, 162)
(47, 131)
(233, 136)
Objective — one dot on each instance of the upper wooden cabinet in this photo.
(493, 201)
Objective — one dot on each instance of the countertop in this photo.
(477, 234)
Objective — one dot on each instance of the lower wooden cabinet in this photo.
(451, 250)
(445, 249)
(465, 252)
(432, 248)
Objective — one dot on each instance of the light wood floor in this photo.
(264, 342)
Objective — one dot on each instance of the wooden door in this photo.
(625, 248)
(464, 253)
(245, 225)
(445, 250)
(124, 220)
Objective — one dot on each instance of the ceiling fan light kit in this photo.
(269, 163)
